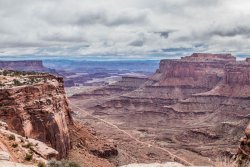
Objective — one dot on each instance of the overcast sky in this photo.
(145, 29)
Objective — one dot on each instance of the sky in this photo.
(131, 29)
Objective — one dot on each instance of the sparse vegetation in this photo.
(12, 137)
(225, 164)
(41, 164)
(28, 145)
(14, 145)
(239, 162)
(1, 84)
(28, 157)
(63, 163)
(17, 82)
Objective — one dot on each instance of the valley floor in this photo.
(147, 137)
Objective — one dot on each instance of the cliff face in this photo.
(38, 109)
(13, 149)
(197, 70)
(237, 74)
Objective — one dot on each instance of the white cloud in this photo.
(118, 27)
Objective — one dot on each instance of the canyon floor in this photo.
(146, 138)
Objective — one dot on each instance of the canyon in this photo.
(192, 110)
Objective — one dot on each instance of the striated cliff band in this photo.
(196, 108)
(37, 123)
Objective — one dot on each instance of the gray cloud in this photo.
(137, 43)
(164, 34)
(96, 16)
(232, 31)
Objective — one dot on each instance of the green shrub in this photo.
(28, 145)
(17, 83)
(12, 137)
(63, 163)
(41, 164)
(1, 84)
(14, 145)
(28, 157)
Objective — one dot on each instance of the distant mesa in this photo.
(25, 65)
(210, 57)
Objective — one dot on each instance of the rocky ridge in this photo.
(38, 110)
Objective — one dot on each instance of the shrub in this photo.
(225, 162)
(63, 163)
(28, 145)
(54, 163)
(1, 84)
(14, 145)
(17, 83)
(67, 163)
(28, 157)
(12, 137)
(41, 164)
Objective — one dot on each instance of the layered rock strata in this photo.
(37, 110)
(15, 149)
(198, 105)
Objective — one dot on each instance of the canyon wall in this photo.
(237, 74)
(37, 110)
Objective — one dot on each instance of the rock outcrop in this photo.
(16, 149)
(243, 155)
(237, 74)
(36, 108)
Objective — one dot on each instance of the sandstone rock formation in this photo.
(37, 110)
(15, 149)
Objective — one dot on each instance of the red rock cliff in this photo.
(38, 110)
(237, 73)
(197, 70)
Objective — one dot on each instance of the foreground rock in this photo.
(36, 111)
(35, 106)
(16, 149)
